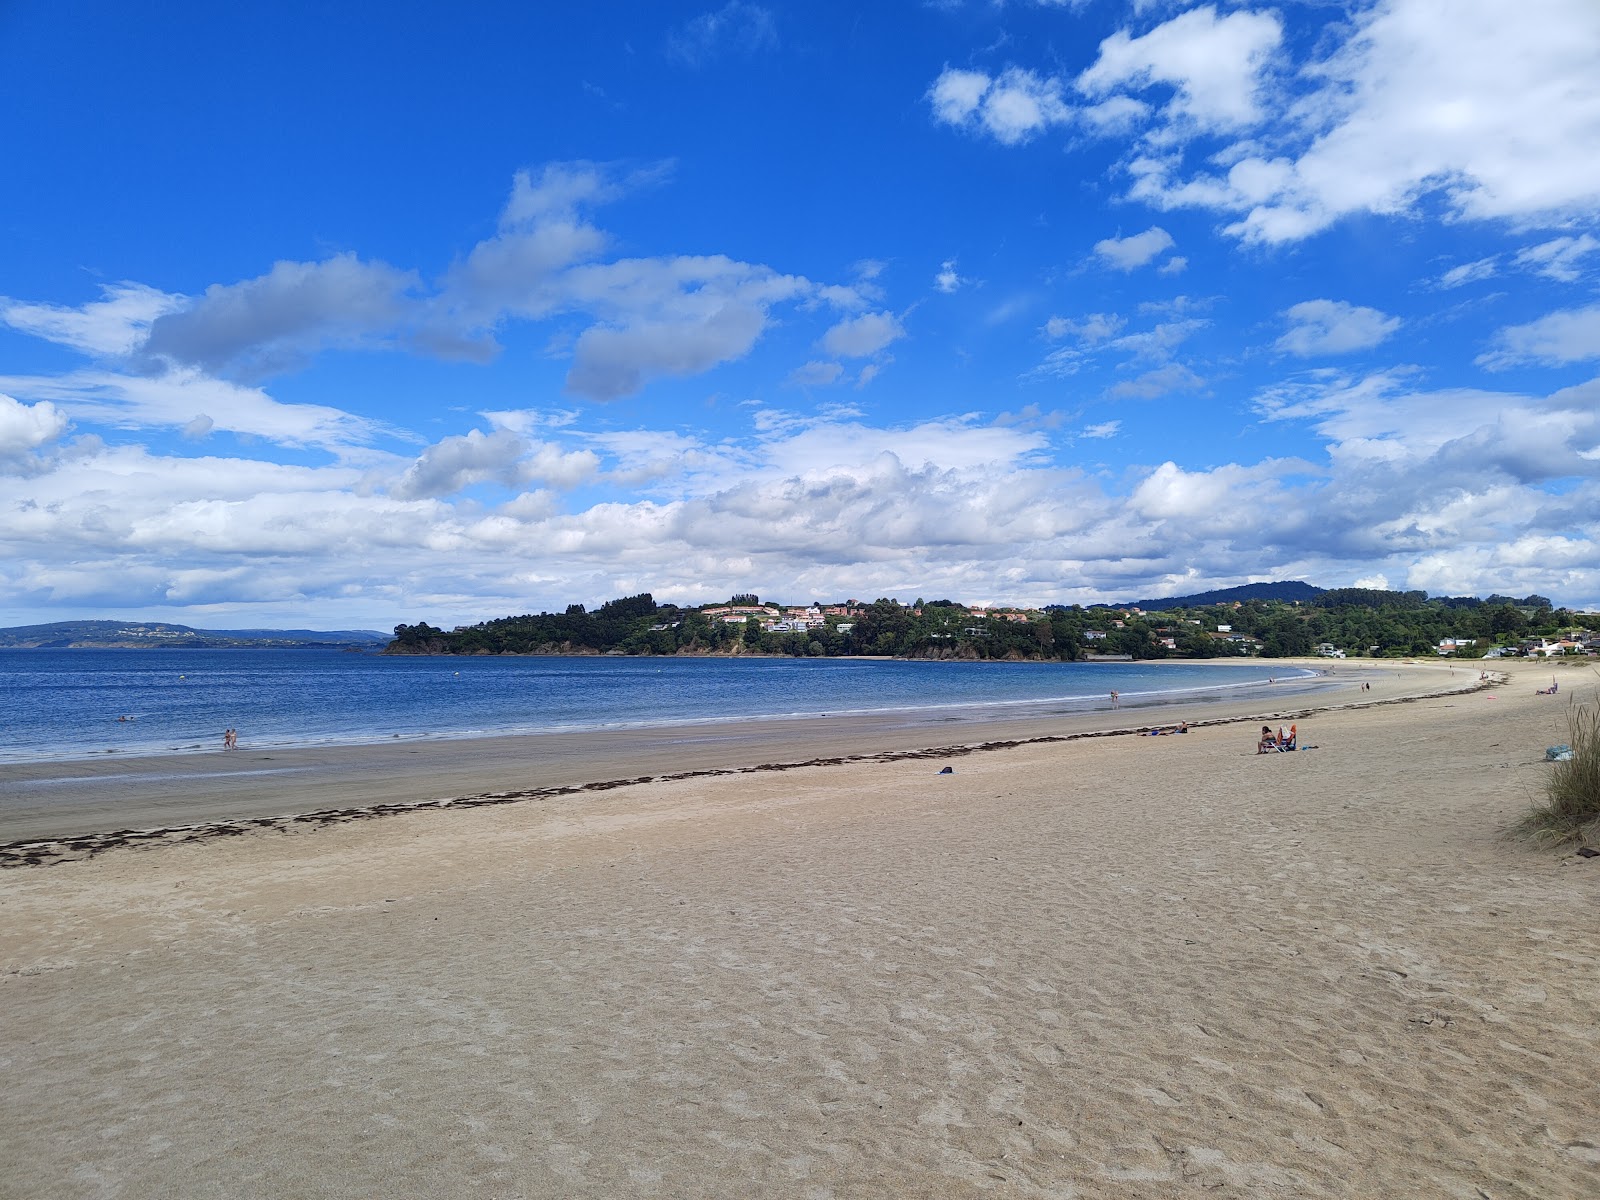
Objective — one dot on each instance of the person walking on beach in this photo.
(1114, 700)
(230, 739)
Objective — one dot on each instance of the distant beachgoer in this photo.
(1183, 727)
(1114, 700)
(1268, 743)
(230, 739)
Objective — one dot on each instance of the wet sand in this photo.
(75, 799)
(1111, 966)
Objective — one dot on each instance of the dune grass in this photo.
(1571, 810)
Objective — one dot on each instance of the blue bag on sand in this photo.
(1558, 754)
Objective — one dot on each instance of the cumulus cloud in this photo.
(24, 428)
(275, 321)
(454, 463)
(863, 336)
(1334, 327)
(1413, 485)
(947, 281)
(1466, 100)
(1213, 65)
(1136, 250)
(1571, 335)
(500, 456)
(1011, 107)
(1468, 103)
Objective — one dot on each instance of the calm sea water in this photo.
(66, 703)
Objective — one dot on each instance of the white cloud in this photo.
(1175, 265)
(1415, 486)
(863, 336)
(1091, 330)
(947, 281)
(500, 456)
(739, 27)
(1472, 102)
(816, 374)
(1214, 66)
(1219, 496)
(114, 326)
(1011, 107)
(1472, 272)
(1157, 343)
(1126, 254)
(1571, 335)
(172, 399)
(24, 428)
(1162, 381)
(1560, 257)
(1334, 327)
(452, 464)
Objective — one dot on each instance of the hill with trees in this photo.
(141, 635)
(1357, 621)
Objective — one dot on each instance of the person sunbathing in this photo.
(1268, 743)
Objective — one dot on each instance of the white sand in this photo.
(1111, 967)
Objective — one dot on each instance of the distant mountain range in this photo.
(1288, 591)
(65, 635)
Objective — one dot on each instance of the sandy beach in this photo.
(1085, 967)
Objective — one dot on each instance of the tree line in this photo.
(1359, 621)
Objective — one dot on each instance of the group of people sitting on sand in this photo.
(1284, 739)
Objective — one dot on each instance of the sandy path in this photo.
(1118, 967)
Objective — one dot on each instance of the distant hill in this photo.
(1288, 591)
(68, 635)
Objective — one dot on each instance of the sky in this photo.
(346, 315)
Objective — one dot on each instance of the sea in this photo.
(79, 704)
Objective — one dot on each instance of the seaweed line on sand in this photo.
(51, 851)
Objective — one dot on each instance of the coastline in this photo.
(1101, 966)
(54, 811)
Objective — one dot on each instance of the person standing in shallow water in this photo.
(1114, 700)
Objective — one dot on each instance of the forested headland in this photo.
(1360, 622)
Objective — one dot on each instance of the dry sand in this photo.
(1104, 967)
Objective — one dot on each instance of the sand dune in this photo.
(1102, 967)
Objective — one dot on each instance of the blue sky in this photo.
(348, 315)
